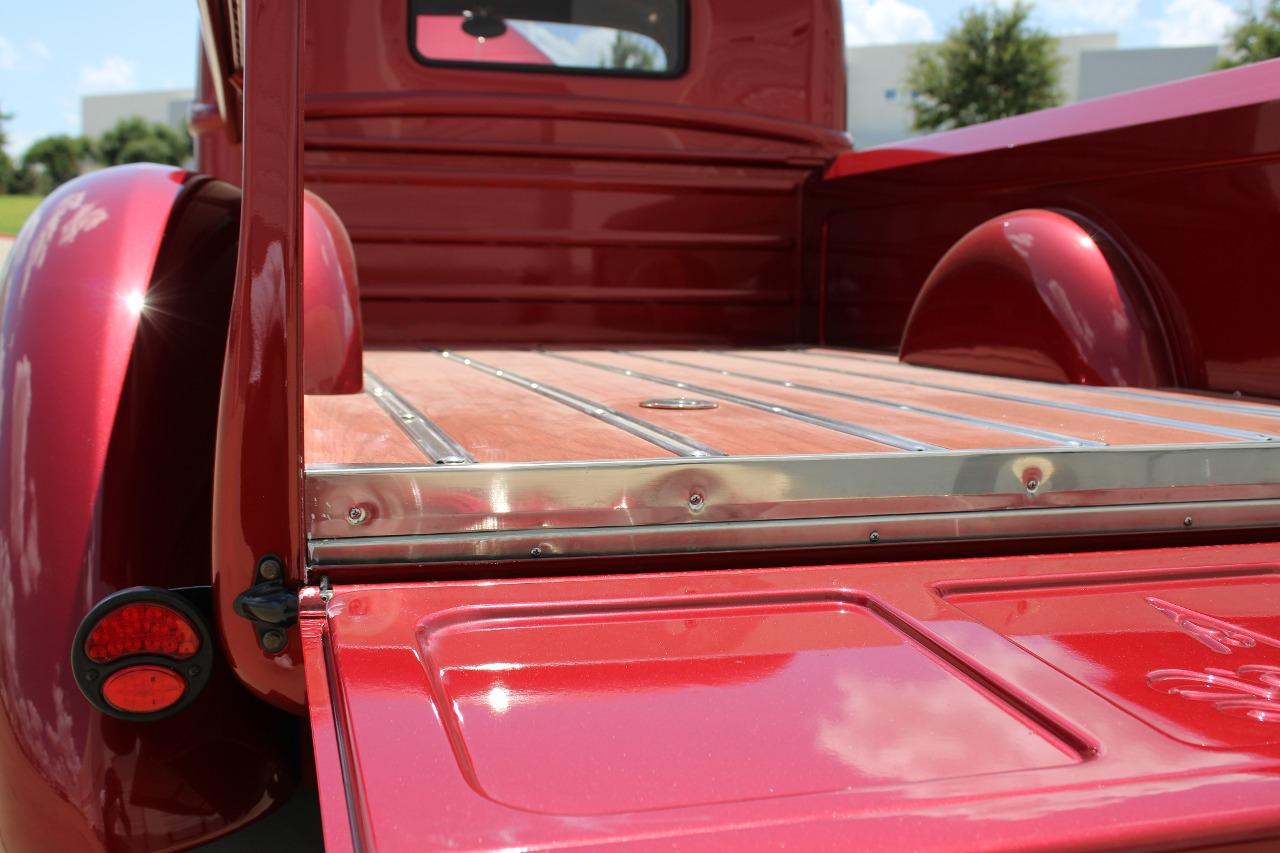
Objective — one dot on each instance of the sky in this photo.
(54, 51)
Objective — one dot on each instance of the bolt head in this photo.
(271, 569)
(274, 640)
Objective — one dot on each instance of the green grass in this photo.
(14, 210)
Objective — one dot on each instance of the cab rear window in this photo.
(619, 37)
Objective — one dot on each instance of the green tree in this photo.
(7, 167)
(1256, 38)
(56, 159)
(135, 140)
(629, 52)
(992, 65)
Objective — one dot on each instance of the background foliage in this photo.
(993, 64)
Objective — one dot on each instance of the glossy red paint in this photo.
(115, 304)
(1245, 86)
(498, 206)
(332, 357)
(1077, 312)
(258, 468)
(1189, 196)
(1006, 703)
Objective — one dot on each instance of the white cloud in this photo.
(886, 22)
(1077, 16)
(8, 55)
(1194, 22)
(20, 141)
(38, 49)
(115, 74)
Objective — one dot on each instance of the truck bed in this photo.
(518, 454)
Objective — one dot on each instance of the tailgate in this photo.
(1087, 700)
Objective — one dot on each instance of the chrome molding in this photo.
(480, 500)
(1001, 426)
(1135, 417)
(439, 446)
(861, 532)
(1182, 397)
(878, 436)
(652, 433)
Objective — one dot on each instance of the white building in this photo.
(99, 113)
(1093, 66)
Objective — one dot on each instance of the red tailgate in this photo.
(1018, 703)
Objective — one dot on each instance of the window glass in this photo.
(631, 37)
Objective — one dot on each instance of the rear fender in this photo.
(115, 302)
(1039, 294)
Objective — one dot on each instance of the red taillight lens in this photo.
(142, 629)
(143, 689)
(144, 653)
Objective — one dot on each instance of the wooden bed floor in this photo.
(515, 406)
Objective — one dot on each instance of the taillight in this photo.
(152, 629)
(142, 653)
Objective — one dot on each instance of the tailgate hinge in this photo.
(269, 605)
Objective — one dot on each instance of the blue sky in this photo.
(54, 51)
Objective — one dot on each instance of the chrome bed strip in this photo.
(878, 436)
(1015, 429)
(652, 433)
(1134, 417)
(861, 532)
(438, 445)
(476, 501)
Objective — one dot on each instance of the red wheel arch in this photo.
(1039, 294)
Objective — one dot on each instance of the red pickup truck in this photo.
(534, 423)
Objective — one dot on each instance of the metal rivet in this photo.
(695, 501)
(535, 552)
(270, 569)
(274, 640)
(357, 515)
(874, 537)
(1187, 522)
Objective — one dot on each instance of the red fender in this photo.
(115, 305)
(1037, 294)
(333, 350)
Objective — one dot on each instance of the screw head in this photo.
(874, 537)
(357, 515)
(1187, 522)
(535, 552)
(1032, 485)
(274, 640)
(695, 501)
(193, 671)
(271, 569)
(90, 675)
